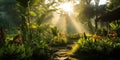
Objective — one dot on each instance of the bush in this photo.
(74, 36)
(24, 52)
(12, 52)
(103, 48)
(32, 49)
(58, 41)
(36, 45)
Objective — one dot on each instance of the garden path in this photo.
(63, 52)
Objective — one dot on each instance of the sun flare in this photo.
(67, 7)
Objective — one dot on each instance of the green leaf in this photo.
(32, 13)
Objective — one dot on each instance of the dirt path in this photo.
(63, 52)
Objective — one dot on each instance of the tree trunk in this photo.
(96, 26)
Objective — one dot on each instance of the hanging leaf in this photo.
(32, 13)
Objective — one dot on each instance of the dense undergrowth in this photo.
(23, 52)
(104, 48)
(45, 37)
(38, 46)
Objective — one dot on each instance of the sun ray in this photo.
(55, 19)
(78, 26)
(61, 24)
(65, 19)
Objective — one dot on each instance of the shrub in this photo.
(103, 48)
(74, 36)
(24, 51)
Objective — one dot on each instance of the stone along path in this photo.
(63, 52)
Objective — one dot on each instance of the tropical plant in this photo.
(102, 48)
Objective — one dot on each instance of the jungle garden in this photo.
(59, 29)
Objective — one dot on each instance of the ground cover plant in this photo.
(97, 48)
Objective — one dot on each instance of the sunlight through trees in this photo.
(60, 29)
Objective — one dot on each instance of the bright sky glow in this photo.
(67, 7)
(46, 1)
(102, 2)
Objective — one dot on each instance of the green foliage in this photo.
(115, 27)
(59, 41)
(42, 32)
(12, 51)
(113, 4)
(32, 13)
(74, 36)
(87, 12)
(23, 3)
(48, 34)
(34, 2)
(35, 48)
(24, 51)
(102, 48)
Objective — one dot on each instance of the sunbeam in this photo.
(65, 19)
(55, 18)
(79, 27)
(60, 22)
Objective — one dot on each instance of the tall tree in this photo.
(96, 9)
(86, 12)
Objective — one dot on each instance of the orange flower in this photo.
(110, 35)
(114, 35)
(96, 36)
(113, 38)
(19, 39)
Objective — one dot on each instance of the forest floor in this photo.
(63, 52)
